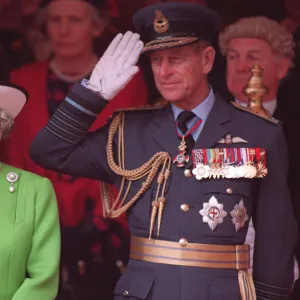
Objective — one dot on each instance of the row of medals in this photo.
(220, 170)
(216, 171)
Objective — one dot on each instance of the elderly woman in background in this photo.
(30, 237)
(72, 26)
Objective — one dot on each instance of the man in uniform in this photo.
(188, 188)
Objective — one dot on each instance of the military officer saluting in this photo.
(191, 170)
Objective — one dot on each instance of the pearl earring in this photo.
(12, 177)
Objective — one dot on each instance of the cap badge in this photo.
(161, 23)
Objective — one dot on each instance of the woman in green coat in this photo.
(29, 226)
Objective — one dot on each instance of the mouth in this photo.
(168, 85)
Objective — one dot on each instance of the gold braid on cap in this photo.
(159, 165)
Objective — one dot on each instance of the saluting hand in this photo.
(117, 66)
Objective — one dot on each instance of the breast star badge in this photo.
(239, 215)
(213, 213)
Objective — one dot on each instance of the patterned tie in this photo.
(182, 120)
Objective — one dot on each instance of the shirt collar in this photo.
(270, 106)
(202, 110)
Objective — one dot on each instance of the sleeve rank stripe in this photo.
(62, 120)
(64, 113)
(79, 94)
(79, 107)
(272, 287)
(271, 293)
(76, 114)
(60, 128)
(59, 135)
(68, 124)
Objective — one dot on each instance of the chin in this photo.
(170, 96)
(66, 53)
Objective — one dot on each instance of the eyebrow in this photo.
(249, 52)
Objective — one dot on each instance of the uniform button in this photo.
(126, 293)
(183, 242)
(229, 191)
(187, 173)
(184, 207)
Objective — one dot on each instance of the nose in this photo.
(165, 69)
(243, 65)
(64, 27)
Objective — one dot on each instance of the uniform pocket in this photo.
(134, 284)
(224, 289)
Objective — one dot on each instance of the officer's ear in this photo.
(99, 26)
(100, 21)
(207, 58)
(283, 64)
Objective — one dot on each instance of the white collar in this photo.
(270, 106)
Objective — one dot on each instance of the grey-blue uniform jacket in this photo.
(65, 145)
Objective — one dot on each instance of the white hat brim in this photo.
(12, 98)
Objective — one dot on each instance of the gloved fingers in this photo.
(128, 41)
(110, 51)
(126, 76)
(134, 55)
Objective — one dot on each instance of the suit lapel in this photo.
(213, 129)
(165, 130)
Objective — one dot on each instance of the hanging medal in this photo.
(182, 158)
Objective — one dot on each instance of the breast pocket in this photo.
(226, 206)
(134, 284)
(228, 192)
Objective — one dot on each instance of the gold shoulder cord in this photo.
(159, 163)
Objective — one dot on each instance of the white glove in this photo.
(117, 66)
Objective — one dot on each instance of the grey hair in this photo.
(6, 123)
(279, 39)
(96, 14)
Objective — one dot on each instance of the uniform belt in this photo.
(183, 253)
(190, 254)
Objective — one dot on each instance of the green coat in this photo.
(29, 237)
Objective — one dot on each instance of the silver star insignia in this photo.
(239, 215)
(213, 213)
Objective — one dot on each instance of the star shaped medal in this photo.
(213, 213)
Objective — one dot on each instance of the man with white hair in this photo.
(261, 41)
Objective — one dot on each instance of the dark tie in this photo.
(182, 120)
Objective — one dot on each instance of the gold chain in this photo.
(160, 161)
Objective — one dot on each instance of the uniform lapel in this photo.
(165, 130)
(213, 129)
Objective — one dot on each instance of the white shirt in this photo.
(270, 106)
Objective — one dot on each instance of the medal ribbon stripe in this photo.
(230, 162)
(195, 124)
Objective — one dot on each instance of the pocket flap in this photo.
(227, 187)
(135, 284)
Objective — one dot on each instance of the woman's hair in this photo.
(37, 36)
(6, 123)
(262, 28)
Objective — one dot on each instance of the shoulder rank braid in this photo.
(160, 163)
(246, 109)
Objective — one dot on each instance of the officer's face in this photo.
(71, 27)
(242, 54)
(180, 73)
